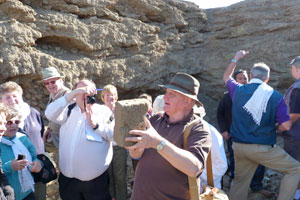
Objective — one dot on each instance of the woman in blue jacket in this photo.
(18, 158)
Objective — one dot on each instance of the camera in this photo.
(91, 99)
(21, 157)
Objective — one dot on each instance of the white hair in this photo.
(260, 71)
(158, 104)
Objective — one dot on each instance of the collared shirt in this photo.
(155, 177)
(78, 157)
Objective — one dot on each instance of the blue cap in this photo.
(296, 62)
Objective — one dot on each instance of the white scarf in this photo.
(25, 177)
(258, 102)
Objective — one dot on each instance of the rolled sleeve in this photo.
(282, 112)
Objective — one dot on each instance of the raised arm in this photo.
(55, 110)
(230, 69)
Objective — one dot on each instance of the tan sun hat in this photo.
(186, 85)
(50, 72)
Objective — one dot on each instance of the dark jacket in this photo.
(224, 113)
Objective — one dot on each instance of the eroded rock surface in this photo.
(139, 44)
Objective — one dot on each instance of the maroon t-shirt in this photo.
(155, 177)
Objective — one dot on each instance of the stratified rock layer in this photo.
(139, 44)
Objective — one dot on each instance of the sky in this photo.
(213, 3)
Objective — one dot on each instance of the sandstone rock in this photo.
(129, 115)
(139, 44)
(15, 9)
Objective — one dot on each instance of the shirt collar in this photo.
(183, 121)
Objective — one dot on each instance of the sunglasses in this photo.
(48, 82)
(11, 122)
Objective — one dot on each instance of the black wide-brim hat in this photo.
(185, 84)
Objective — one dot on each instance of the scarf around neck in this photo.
(24, 175)
(257, 104)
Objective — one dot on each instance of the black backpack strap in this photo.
(70, 107)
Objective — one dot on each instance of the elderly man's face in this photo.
(53, 85)
(12, 99)
(2, 124)
(81, 98)
(174, 102)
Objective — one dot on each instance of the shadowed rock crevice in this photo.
(62, 47)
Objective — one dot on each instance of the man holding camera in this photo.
(85, 148)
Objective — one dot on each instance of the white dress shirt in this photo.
(218, 158)
(79, 157)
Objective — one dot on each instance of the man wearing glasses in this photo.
(55, 85)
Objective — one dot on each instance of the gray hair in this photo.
(260, 71)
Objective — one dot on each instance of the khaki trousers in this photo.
(248, 156)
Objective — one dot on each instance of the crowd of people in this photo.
(93, 167)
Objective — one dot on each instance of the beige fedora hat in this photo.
(186, 85)
(50, 72)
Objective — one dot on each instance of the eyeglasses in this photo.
(11, 122)
(48, 83)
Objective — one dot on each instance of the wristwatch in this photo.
(234, 60)
(161, 145)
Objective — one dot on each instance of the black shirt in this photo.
(224, 113)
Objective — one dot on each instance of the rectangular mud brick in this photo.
(129, 115)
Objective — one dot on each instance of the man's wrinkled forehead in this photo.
(83, 83)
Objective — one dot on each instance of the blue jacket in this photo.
(243, 128)
(7, 155)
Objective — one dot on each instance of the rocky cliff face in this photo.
(139, 44)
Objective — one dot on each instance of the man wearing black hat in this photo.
(164, 166)
(292, 98)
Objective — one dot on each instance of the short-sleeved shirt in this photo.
(155, 177)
